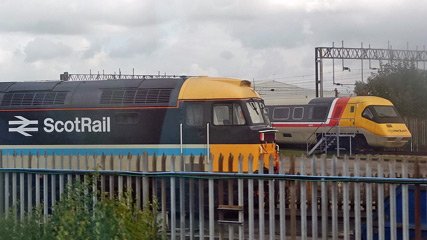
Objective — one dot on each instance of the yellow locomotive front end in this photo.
(378, 121)
(234, 116)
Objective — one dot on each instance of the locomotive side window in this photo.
(194, 115)
(238, 117)
(281, 113)
(228, 114)
(298, 113)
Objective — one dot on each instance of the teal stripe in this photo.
(104, 151)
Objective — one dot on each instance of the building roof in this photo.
(276, 93)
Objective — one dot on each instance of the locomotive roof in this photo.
(326, 101)
(123, 92)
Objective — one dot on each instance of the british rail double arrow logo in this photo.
(23, 127)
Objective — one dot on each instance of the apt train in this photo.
(170, 115)
(362, 122)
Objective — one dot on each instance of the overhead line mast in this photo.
(342, 53)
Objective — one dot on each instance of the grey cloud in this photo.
(43, 49)
(227, 55)
(76, 17)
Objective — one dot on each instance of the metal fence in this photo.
(365, 197)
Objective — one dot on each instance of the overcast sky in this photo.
(250, 39)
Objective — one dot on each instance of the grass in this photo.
(77, 216)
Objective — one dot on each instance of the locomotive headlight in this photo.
(261, 137)
(267, 136)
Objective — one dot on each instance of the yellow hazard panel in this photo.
(224, 164)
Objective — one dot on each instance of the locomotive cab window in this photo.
(228, 114)
(382, 114)
(257, 112)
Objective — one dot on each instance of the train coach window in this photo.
(194, 115)
(320, 113)
(298, 113)
(228, 114)
(281, 113)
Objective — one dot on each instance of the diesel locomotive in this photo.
(361, 122)
(171, 115)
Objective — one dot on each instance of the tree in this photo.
(403, 84)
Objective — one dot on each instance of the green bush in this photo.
(78, 216)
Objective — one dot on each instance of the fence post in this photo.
(163, 195)
(201, 200)
(230, 193)
(292, 201)
(240, 197)
(325, 202)
(357, 214)
(173, 200)
(405, 207)
(417, 197)
(211, 201)
(303, 200)
(368, 200)
(251, 198)
(334, 197)
(282, 201)
(191, 198)
(314, 227)
(380, 204)
(182, 198)
(271, 200)
(261, 214)
(393, 228)
(346, 200)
